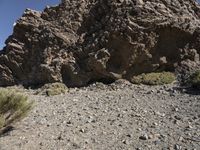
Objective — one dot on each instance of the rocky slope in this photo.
(78, 42)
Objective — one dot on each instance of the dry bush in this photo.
(14, 106)
(52, 89)
(194, 79)
(154, 78)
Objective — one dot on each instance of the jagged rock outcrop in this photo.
(78, 42)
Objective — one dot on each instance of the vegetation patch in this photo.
(159, 78)
(53, 89)
(194, 79)
(14, 106)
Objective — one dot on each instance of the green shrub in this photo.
(53, 89)
(194, 79)
(14, 106)
(154, 78)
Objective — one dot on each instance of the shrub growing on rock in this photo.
(194, 79)
(159, 78)
(52, 89)
(14, 106)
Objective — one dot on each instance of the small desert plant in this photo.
(154, 78)
(13, 107)
(194, 79)
(52, 89)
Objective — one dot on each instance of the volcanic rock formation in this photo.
(81, 41)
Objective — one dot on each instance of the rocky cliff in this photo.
(78, 42)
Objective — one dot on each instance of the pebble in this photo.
(129, 135)
(176, 109)
(150, 136)
(159, 114)
(149, 92)
(177, 122)
(82, 130)
(177, 117)
(145, 111)
(189, 127)
(124, 141)
(181, 138)
(177, 147)
(41, 144)
(154, 125)
(60, 137)
(144, 137)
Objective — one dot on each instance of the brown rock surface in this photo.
(78, 42)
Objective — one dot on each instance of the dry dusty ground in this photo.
(119, 116)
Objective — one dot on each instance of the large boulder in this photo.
(78, 42)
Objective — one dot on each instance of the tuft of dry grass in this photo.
(14, 106)
(155, 78)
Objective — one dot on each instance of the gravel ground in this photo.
(119, 116)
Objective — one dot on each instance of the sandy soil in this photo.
(120, 116)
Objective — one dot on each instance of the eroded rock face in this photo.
(78, 42)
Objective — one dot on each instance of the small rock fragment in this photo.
(144, 137)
